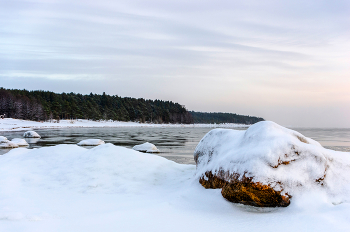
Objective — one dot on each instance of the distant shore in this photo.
(10, 124)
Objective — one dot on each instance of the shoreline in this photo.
(10, 124)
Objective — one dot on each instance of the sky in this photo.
(286, 61)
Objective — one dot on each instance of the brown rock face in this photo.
(245, 191)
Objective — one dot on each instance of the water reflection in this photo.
(32, 140)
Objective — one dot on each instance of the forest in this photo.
(45, 105)
(202, 117)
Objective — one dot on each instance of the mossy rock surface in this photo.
(245, 191)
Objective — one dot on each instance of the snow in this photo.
(146, 147)
(259, 152)
(111, 188)
(31, 134)
(20, 142)
(10, 124)
(91, 142)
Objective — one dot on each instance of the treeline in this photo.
(200, 117)
(45, 105)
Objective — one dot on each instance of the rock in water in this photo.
(3, 139)
(264, 165)
(146, 147)
(20, 142)
(91, 142)
(5, 143)
(31, 134)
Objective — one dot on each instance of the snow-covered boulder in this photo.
(3, 139)
(267, 164)
(8, 144)
(31, 134)
(20, 142)
(146, 147)
(91, 142)
(5, 143)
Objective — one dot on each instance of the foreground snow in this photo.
(9, 124)
(110, 188)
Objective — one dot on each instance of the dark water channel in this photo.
(176, 144)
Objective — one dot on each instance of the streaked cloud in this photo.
(283, 60)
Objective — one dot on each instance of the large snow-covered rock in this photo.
(31, 134)
(20, 142)
(146, 147)
(267, 164)
(91, 142)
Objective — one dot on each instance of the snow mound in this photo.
(31, 134)
(8, 144)
(274, 156)
(20, 142)
(91, 142)
(3, 139)
(105, 169)
(146, 147)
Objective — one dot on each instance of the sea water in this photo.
(177, 144)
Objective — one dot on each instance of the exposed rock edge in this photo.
(245, 191)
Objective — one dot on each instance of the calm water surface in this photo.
(176, 144)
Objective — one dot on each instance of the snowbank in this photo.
(91, 142)
(146, 147)
(274, 156)
(31, 134)
(9, 124)
(20, 142)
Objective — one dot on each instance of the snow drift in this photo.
(272, 157)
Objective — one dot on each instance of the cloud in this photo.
(246, 57)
